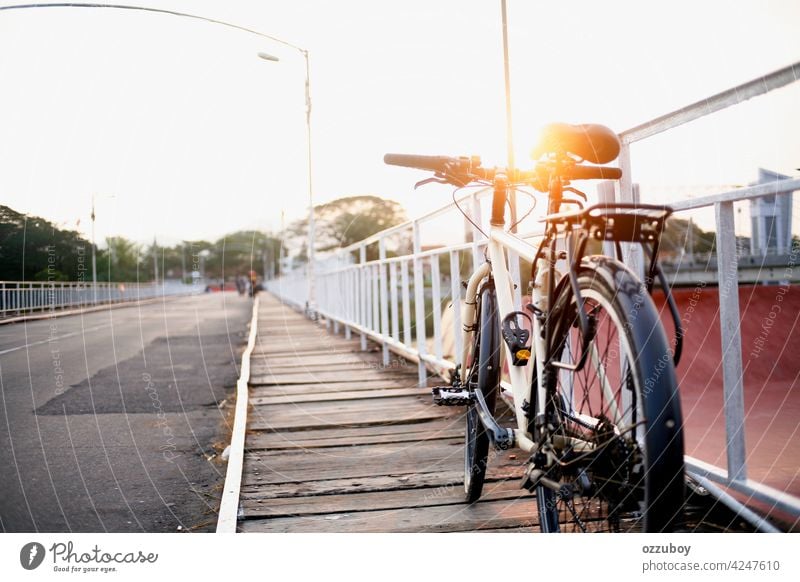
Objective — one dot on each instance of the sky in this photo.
(180, 131)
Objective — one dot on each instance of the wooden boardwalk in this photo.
(338, 443)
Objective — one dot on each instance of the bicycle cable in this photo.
(487, 187)
(462, 211)
(530, 210)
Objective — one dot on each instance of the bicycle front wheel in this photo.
(616, 421)
(483, 373)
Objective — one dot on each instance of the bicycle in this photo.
(591, 370)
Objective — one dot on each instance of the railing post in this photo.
(436, 306)
(605, 195)
(395, 313)
(419, 305)
(406, 301)
(368, 296)
(455, 296)
(384, 299)
(476, 234)
(376, 314)
(350, 299)
(730, 328)
(362, 257)
(628, 193)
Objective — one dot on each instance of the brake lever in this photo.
(430, 181)
(574, 191)
(451, 179)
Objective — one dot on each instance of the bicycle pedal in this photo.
(450, 396)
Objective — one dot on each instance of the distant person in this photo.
(253, 281)
(241, 284)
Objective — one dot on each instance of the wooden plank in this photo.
(257, 389)
(447, 494)
(300, 366)
(268, 467)
(446, 518)
(305, 421)
(282, 378)
(391, 403)
(383, 459)
(295, 440)
(453, 477)
(436, 427)
(291, 398)
(350, 485)
(292, 346)
(359, 419)
(330, 357)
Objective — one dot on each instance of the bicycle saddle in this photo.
(594, 143)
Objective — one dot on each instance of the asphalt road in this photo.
(109, 418)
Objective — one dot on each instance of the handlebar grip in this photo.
(430, 163)
(593, 173)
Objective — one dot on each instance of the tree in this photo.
(681, 234)
(122, 260)
(239, 252)
(32, 248)
(346, 221)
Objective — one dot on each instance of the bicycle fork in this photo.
(457, 393)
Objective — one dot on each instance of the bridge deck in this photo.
(338, 443)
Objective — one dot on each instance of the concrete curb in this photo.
(229, 506)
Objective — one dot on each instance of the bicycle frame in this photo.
(628, 228)
(520, 376)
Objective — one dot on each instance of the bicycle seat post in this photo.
(555, 195)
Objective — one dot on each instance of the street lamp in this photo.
(311, 306)
(94, 258)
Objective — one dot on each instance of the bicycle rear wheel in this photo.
(483, 373)
(617, 422)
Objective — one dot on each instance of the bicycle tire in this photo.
(484, 373)
(637, 468)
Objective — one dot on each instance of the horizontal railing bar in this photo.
(733, 96)
(761, 524)
(408, 224)
(401, 258)
(395, 346)
(764, 493)
(757, 191)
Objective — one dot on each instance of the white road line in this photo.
(229, 506)
(54, 339)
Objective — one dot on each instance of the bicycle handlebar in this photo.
(463, 170)
(430, 163)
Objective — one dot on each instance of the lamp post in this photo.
(89, 5)
(94, 252)
(509, 135)
(94, 258)
(311, 305)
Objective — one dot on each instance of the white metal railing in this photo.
(19, 298)
(383, 299)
